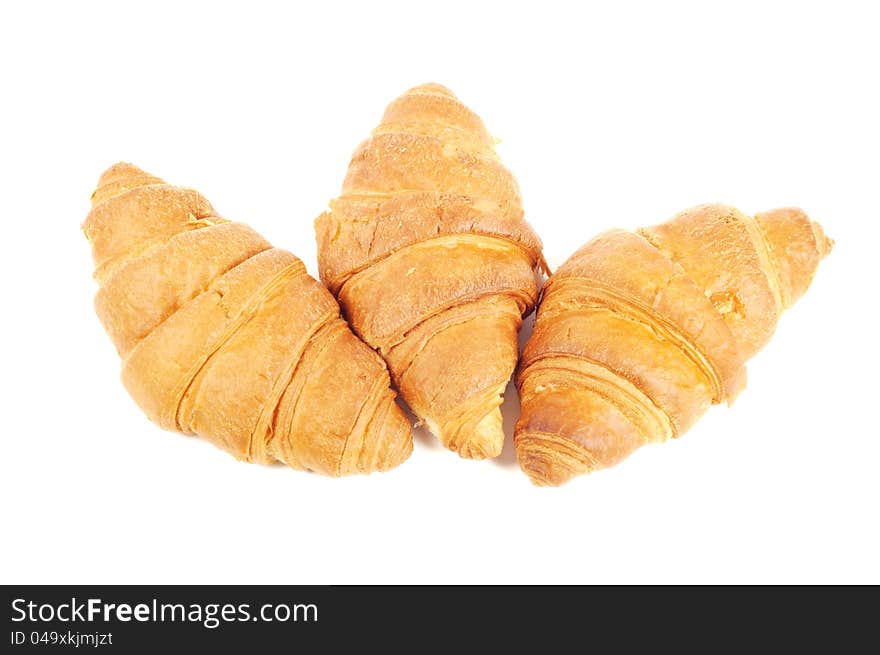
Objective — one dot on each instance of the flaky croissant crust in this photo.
(638, 333)
(224, 336)
(430, 257)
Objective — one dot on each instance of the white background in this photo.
(610, 114)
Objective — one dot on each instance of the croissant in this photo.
(224, 336)
(638, 333)
(434, 266)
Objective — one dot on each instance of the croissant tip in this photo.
(478, 447)
(824, 243)
(392, 462)
(474, 449)
(118, 178)
(542, 470)
(431, 87)
(399, 450)
(122, 168)
(388, 441)
(547, 462)
(485, 441)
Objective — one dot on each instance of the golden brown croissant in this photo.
(224, 336)
(637, 334)
(428, 253)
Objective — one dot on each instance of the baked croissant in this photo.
(224, 336)
(638, 333)
(428, 253)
